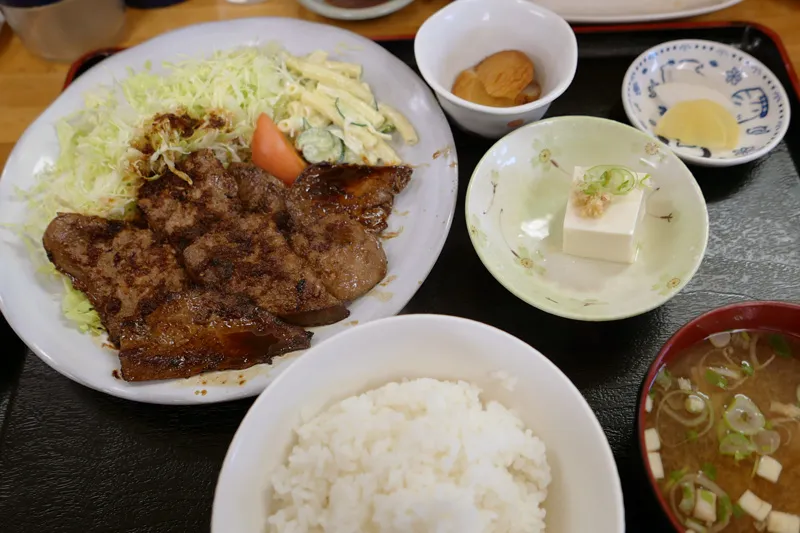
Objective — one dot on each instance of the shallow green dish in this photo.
(515, 207)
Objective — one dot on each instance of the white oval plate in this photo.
(321, 7)
(691, 68)
(515, 209)
(626, 11)
(423, 212)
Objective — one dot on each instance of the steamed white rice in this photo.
(417, 456)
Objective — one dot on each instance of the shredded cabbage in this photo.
(93, 173)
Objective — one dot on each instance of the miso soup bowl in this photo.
(463, 33)
(778, 317)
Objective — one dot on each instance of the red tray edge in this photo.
(772, 34)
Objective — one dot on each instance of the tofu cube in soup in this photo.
(769, 468)
(778, 522)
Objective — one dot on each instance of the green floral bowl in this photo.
(515, 209)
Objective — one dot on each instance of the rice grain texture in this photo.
(417, 456)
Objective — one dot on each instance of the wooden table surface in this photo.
(29, 84)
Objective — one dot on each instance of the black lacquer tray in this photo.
(75, 460)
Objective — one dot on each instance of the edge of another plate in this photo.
(325, 9)
(648, 17)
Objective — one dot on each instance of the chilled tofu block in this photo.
(778, 522)
(769, 469)
(612, 236)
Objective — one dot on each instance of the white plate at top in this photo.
(322, 7)
(625, 11)
(422, 217)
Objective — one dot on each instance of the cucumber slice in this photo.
(319, 145)
(347, 114)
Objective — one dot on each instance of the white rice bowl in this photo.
(422, 455)
(485, 462)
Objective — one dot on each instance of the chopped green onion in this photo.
(710, 471)
(747, 368)
(687, 498)
(715, 379)
(612, 180)
(743, 416)
(780, 346)
(766, 441)
(652, 393)
(745, 335)
(692, 435)
(725, 508)
(664, 378)
(738, 512)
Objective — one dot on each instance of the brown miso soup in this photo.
(722, 430)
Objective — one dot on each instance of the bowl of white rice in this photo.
(420, 423)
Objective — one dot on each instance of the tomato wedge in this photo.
(273, 151)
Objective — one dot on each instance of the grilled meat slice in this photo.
(203, 330)
(124, 270)
(180, 211)
(249, 255)
(260, 192)
(364, 193)
(348, 259)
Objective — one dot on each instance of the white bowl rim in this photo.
(712, 161)
(250, 417)
(557, 311)
(557, 91)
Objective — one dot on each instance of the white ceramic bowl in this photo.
(585, 476)
(515, 206)
(691, 69)
(464, 32)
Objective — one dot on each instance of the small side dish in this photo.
(504, 79)
(420, 455)
(604, 210)
(722, 432)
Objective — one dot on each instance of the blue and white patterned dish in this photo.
(690, 69)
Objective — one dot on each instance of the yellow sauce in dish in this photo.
(700, 123)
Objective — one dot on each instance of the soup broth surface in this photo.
(717, 408)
